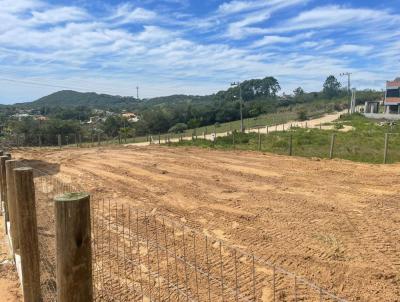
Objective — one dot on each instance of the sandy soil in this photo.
(336, 223)
(10, 290)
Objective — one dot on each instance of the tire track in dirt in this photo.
(330, 221)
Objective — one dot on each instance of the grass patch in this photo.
(364, 143)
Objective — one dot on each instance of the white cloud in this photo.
(274, 39)
(58, 15)
(127, 13)
(334, 15)
(352, 48)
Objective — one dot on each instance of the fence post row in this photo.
(73, 241)
(27, 229)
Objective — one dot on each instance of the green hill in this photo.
(69, 98)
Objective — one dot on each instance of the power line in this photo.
(52, 85)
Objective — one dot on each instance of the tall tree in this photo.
(331, 87)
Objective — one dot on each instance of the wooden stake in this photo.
(3, 187)
(332, 146)
(73, 244)
(385, 151)
(12, 204)
(290, 145)
(27, 229)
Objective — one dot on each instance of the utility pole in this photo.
(137, 92)
(348, 74)
(241, 104)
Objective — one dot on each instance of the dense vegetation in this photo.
(67, 110)
(364, 142)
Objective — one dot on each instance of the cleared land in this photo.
(336, 223)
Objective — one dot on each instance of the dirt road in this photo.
(336, 223)
(313, 123)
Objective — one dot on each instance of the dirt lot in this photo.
(336, 223)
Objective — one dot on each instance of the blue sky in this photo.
(192, 47)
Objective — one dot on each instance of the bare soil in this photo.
(337, 223)
(10, 290)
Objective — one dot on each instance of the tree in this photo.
(298, 92)
(331, 87)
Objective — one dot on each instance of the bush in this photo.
(178, 128)
(302, 115)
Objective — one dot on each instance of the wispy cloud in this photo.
(180, 50)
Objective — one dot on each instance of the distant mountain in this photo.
(69, 98)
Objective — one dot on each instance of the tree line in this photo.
(178, 113)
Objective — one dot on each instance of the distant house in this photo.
(391, 103)
(131, 116)
(392, 97)
(40, 118)
(21, 116)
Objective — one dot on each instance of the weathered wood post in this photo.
(3, 187)
(385, 151)
(98, 139)
(233, 139)
(27, 230)
(259, 140)
(12, 204)
(159, 138)
(73, 244)
(40, 141)
(76, 141)
(267, 130)
(332, 145)
(59, 140)
(290, 145)
(80, 140)
(66, 140)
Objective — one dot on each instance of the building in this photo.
(130, 116)
(392, 97)
(390, 102)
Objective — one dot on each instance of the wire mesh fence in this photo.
(141, 256)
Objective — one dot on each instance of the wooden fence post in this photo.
(385, 151)
(12, 205)
(332, 145)
(73, 244)
(40, 141)
(290, 145)
(3, 186)
(59, 140)
(259, 140)
(233, 139)
(27, 229)
(98, 139)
